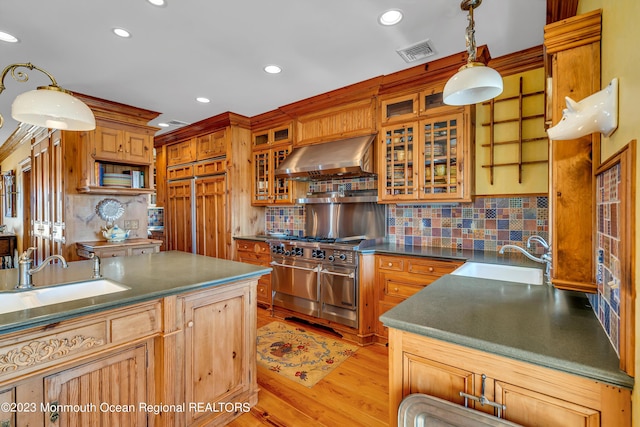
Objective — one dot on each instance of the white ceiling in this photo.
(218, 49)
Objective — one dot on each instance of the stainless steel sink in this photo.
(38, 297)
(507, 273)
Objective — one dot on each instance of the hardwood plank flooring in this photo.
(356, 393)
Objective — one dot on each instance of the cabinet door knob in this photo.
(431, 269)
(395, 289)
(190, 324)
(390, 264)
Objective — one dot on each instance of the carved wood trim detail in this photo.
(43, 351)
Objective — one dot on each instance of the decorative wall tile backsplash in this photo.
(606, 303)
(486, 224)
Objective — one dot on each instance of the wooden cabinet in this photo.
(276, 135)
(129, 247)
(428, 159)
(267, 188)
(257, 253)
(410, 106)
(67, 171)
(211, 145)
(532, 395)
(341, 120)
(191, 355)
(122, 145)
(399, 277)
(211, 210)
(270, 147)
(573, 48)
(219, 361)
(201, 147)
(209, 188)
(119, 381)
(181, 152)
(179, 215)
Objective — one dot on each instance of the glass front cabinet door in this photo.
(426, 160)
(268, 189)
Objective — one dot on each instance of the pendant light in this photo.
(48, 106)
(474, 82)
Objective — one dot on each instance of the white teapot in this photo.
(115, 234)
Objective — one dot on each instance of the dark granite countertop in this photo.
(535, 324)
(149, 277)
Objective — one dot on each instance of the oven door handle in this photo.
(350, 275)
(316, 269)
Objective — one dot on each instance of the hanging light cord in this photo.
(470, 37)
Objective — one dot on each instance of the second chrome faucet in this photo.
(545, 258)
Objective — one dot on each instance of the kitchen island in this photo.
(176, 348)
(542, 352)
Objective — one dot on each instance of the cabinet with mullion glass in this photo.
(267, 188)
(427, 160)
(440, 148)
(398, 154)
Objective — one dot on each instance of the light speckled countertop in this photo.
(149, 277)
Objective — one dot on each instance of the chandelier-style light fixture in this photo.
(48, 106)
(474, 82)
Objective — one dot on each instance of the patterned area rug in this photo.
(298, 354)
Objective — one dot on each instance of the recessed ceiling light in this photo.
(121, 32)
(203, 99)
(390, 17)
(273, 69)
(158, 2)
(163, 125)
(6, 37)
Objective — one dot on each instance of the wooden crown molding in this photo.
(573, 32)
(366, 89)
(202, 127)
(112, 110)
(519, 62)
(558, 10)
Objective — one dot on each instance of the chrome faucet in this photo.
(545, 258)
(25, 271)
(96, 266)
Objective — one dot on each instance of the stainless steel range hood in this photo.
(342, 158)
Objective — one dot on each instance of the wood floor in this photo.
(356, 393)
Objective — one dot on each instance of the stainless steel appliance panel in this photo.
(345, 219)
(297, 278)
(339, 295)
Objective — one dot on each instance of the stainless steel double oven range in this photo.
(317, 275)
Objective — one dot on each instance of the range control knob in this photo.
(343, 257)
(331, 258)
(287, 253)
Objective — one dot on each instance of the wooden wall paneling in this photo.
(343, 121)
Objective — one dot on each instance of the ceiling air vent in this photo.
(418, 51)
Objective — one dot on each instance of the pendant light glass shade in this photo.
(473, 83)
(52, 107)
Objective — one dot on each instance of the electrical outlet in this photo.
(131, 224)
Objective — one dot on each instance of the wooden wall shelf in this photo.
(520, 119)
